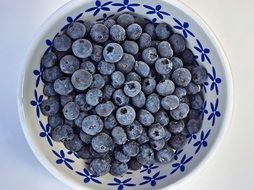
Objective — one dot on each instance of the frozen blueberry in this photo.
(130, 47)
(109, 23)
(51, 74)
(125, 20)
(92, 125)
(170, 102)
(153, 103)
(142, 68)
(106, 68)
(148, 85)
(145, 117)
(163, 66)
(162, 118)
(187, 56)
(156, 132)
(104, 109)
(55, 120)
(84, 153)
(194, 114)
(87, 139)
(76, 30)
(180, 112)
(71, 111)
(81, 79)
(119, 98)
(133, 76)
(88, 24)
(145, 155)
(143, 138)
(155, 43)
(157, 144)
(119, 136)
(134, 130)
(180, 92)
(49, 90)
(98, 81)
(193, 88)
(125, 115)
(80, 99)
(62, 133)
(194, 125)
(62, 42)
(88, 66)
(150, 29)
(113, 52)
(145, 41)
(177, 63)
(117, 33)
(50, 106)
(150, 55)
(134, 165)
(126, 64)
(99, 167)
(181, 77)
(97, 53)
(78, 121)
(69, 64)
(167, 135)
(131, 148)
(117, 79)
(165, 49)
(99, 33)
(74, 144)
(64, 99)
(163, 31)
(70, 123)
(49, 59)
(165, 156)
(176, 126)
(82, 48)
(132, 88)
(63, 86)
(93, 96)
(102, 143)
(134, 31)
(139, 100)
(97, 154)
(185, 100)
(118, 168)
(108, 91)
(196, 102)
(199, 75)
(110, 122)
(165, 87)
(121, 157)
(178, 43)
(177, 141)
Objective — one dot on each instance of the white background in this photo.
(233, 165)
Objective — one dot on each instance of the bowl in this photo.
(216, 111)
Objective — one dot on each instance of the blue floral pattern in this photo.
(184, 27)
(37, 102)
(73, 153)
(191, 137)
(203, 51)
(202, 141)
(203, 110)
(61, 159)
(177, 153)
(126, 5)
(104, 17)
(98, 7)
(148, 168)
(181, 164)
(152, 180)
(70, 20)
(38, 74)
(152, 21)
(156, 10)
(88, 177)
(215, 113)
(215, 81)
(46, 133)
(120, 184)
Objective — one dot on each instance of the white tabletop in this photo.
(233, 165)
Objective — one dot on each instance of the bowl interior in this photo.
(65, 164)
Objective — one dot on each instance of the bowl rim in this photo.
(213, 147)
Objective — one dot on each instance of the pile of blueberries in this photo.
(122, 93)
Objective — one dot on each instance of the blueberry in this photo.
(109, 23)
(74, 144)
(62, 133)
(108, 91)
(104, 109)
(70, 123)
(193, 88)
(145, 155)
(80, 99)
(99, 33)
(177, 63)
(125, 115)
(98, 81)
(62, 42)
(131, 148)
(196, 102)
(153, 103)
(148, 85)
(181, 77)
(145, 41)
(185, 100)
(142, 68)
(187, 56)
(130, 47)
(163, 66)
(50, 106)
(113, 52)
(150, 29)
(76, 30)
(120, 98)
(110, 122)
(143, 138)
(155, 43)
(194, 125)
(93, 96)
(88, 24)
(49, 90)
(132, 88)
(121, 157)
(82, 48)
(156, 132)
(165, 50)
(180, 92)
(134, 165)
(178, 43)
(119, 136)
(165, 156)
(162, 118)
(55, 120)
(180, 112)
(118, 168)
(88, 66)
(134, 31)
(177, 141)
(167, 135)
(106, 68)
(63, 86)
(117, 33)
(145, 117)
(92, 125)
(139, 100)
(125, 20)
(97, 154)
(97, 53)
(185, 132)
(69, 64)
(51, 74)
(126, 64)
(133, 76)
(71, 111)
(49, 59)
(176, 126)
(194, 114)
(78, 121)
(87, 139)
(64, 99)
(150, 55)
(99, 167)
(199, 75)
(117, 79)
(81, 79)
(134, 130)
(165, 87)
(84, 153)
(170, 102)
(163, 31)
(102, 143)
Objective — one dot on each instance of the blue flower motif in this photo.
(153, 21)
(70, 20)
(104, 17)
(190, 137)
(202, 141)
(215, 81)
(152, 180)
(38, 74)
(203, 51)
(148, 168)
(184, 27)
(46, 133)
(37, 102)
(181, 164)
(88, 177)
(121, 184)
(126, 5)
(215, 113)
(204, 86)
(129, 172)
(74, 153)
(62, 159)
(157, 10)
(177, 153)
(203, 110)
(99, 6)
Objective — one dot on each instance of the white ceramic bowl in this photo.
(216, 111)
